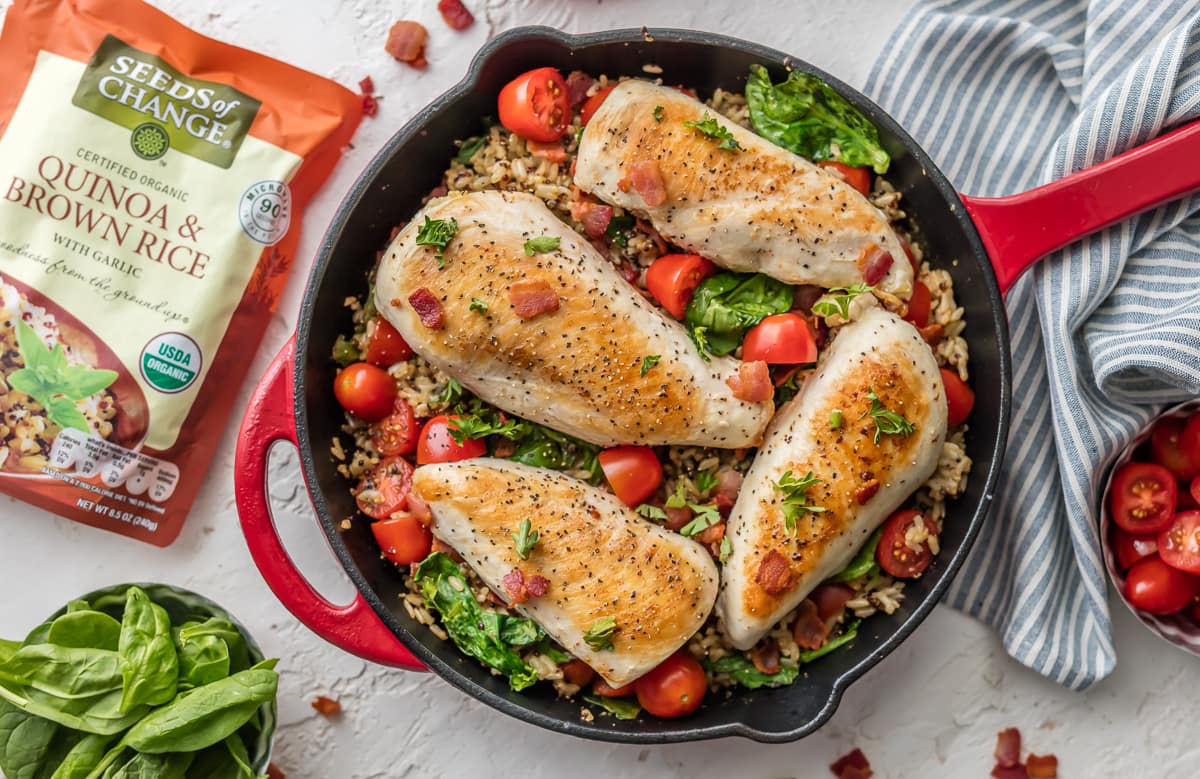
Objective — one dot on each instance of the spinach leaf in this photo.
(846, 637)
(83, 758)
(61, 671)
(85, 629)
(728, 304)
(8, 649)
(545, 448)
(447, 591)
(863, 563)
(805, 115)
(239, 655)
(518, 631)
(202, 659)
(144, 766)
(100, 713)
(149, 665)
(744, 673)
(206, 715)
(56, 385)
(24, 741)
(621, 708)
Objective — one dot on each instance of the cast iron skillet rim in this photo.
(999, 325)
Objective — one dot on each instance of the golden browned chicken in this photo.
(734, 197)
(616, 591)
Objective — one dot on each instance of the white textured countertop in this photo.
(932, 709)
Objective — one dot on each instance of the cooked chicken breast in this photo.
(600, 559)
(759, 209)
(556, 336)
(770, 569)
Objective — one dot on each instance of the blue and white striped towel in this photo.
(1005, 96)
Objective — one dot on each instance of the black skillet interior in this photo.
(390, 191)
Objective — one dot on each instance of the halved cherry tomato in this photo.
(403, 539)
(1194, 490)
(603, 688)
(895, 556)
(592, 103)
(365, 390)
(1143, 498)
(633, 472)
(960, 399)
(1152, 585)
(1130, 548)
(1167, 448)
(673, 278)
(674, 688)
(1185, 497)
(859, 178)
(912, 258)
(780, 339)
(535, 105)
(918, 305)
(385, 347)
(397, 432)
(1189, 441)
(577, 672)
(1179, 544)
(438, 446)
(385, 488)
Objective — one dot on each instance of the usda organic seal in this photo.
(170, 362)
(265, 211)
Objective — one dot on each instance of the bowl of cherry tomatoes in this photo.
(1150, 526)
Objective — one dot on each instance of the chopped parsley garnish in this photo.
(599, 635)
(468, 149)
(472, 426)
(618, 229)
(839, 303)
(452, 392)
(726, 549)
(795, 498)
(887, 422)
(541, 245)
(706, 516)
(835, 420)
(710, 127)
(579, 136)
(437, 233)
(651, 512)
(658, 113)
(705, 481)
(525, 539)
(649, 361)
(478, 306)
(700, 338)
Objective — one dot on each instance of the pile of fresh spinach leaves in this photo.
(88, 696)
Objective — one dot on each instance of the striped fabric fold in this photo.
(1006, 96)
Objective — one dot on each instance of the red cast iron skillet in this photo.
(984, 243)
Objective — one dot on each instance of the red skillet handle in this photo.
(355, 628)
(1017, 230)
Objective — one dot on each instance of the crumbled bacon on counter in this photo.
(370, 103)
(1008, 759)
(646, 179)
(530, 297)
(809, 630)
(406, 42)
(852, 765)
(455, 14)
(874, 264)
(765, 656)
(1008, 747)
(274, 772)
(1042, 766)
(774, 573)
(428, 308)
(326, 707)
(520, 589)
(752, 382)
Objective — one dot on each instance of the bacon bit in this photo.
(774, 573)
(867, 491)
(1042, 766)
(805, 296)
(712, 535)
(274, 772)
(370, 105)
(419, 509)
(933, 334)
(752, 382)
(765, 656)
(659, 242)
(552, 152)
(366, 86)
(831, 598)
(578, 84)
(326, 707)
(729, 484)
(648, 182)
(504, 448)
(428, 308)
(520, 589)
(537, 585)
(455, 14)
(577, 672)
(809, 630)
(406, 42)
(678, 517)
(628, 272)
(1008, 747)
(852, 765)
(874, 263)
(1010, 772)
(595, 218)
(531, 297)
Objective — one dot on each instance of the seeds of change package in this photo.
(152, 182)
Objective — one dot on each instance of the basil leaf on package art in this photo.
(49, 380)
(149, 665)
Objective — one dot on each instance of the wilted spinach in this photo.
(744, 673)
(728, 304)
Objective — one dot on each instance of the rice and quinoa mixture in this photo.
(502, 160)
(26, 432)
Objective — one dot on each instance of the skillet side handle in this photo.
(1018, 230)
(355, 628)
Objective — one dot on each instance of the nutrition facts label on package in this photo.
(115, 465)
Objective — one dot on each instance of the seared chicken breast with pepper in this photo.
(721, 191)
(499, 293)
(616, 591)
(865, 431)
